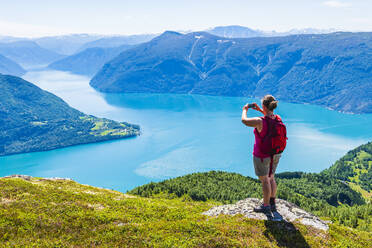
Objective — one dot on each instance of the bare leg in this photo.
(273, 186)
(266, 189)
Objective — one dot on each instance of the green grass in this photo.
(363, 155)
(103, 127)
(115, 132)
(317, 193)
(86, 118)
(49, 213)
(97, 125)
(366, 194)
(355, 167)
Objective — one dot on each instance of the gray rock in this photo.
(289, 211)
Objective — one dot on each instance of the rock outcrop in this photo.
(286, 211)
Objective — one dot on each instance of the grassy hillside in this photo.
(32, 119)
(230, 187)
(62, 213)
(355, 168)
(320, 194)
(341, 193)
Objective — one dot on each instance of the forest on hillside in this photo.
(327, 194)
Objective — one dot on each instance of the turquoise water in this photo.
(182, 134)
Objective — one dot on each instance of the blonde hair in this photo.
(269, 102)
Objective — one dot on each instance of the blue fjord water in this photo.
(182, 134)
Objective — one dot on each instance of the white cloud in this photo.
(336, 4)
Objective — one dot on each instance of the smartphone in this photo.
(251, 105)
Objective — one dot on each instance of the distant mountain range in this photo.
(31, 52)
(28, 53)
(7, 39)
(10, 67)
(32, 119)
(89, 61)
(66, 44)
(89, 52)
(93, 55)
(116, 41)
(75, 43)
(236, 31)
(332, 70)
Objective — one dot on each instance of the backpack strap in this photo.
(271, 164)
(260, 133)
(269, 124)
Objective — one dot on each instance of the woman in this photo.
(261, 160)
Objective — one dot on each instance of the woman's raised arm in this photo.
(250, 122)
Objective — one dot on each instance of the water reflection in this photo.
(176, 102)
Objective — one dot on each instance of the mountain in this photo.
(10, 67)
(57, 212)
(89, 61)
(306, 31)
(332, 70)
(65, 44)
(235, 31)
(35, 120)
(28, 53)
(7, 39)
(115, 41)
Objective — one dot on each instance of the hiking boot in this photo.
(273, 207)
(272, 204)
(263, 209)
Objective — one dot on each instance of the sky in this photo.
(33, 18)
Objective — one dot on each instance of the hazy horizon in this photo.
(180, 31)
(38, 18)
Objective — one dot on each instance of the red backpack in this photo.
(275, 140)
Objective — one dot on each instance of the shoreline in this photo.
(130, 136)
